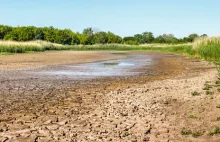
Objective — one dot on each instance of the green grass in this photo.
(192, 116)
(41, 46)
(208, 48)
(218, 106)
(207, 87)
(186, 132)
(218, 118)
(216, 131)
(209, 93)
(195, 93)
(217, 63)
(196, 134)
(217, 82)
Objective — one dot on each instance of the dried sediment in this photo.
(139, 108)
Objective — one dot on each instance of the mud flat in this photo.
(154, 104)
(20, 61)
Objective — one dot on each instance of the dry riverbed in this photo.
(156, 105)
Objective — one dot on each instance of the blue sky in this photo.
(123, 17)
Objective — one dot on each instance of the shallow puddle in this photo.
(120, 67)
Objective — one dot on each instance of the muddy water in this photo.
(121, 67)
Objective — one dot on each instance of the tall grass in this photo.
(22, 47)
(208, 48)
(40, 46)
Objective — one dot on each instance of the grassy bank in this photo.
(206, 48)
(40, 46)
(31, 46)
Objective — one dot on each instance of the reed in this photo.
(208, 48)
(22, 47)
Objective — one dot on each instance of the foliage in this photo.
(208, 48)
(192, 37)
(186, 132)
(4, 30)
(101, 38)
(88, 31)
(196, 134)
(216, 131)
(192, 116)
(89, 36)
(166, 38)
(146, 37)
(195, 93)
(218, 106)
(209, 93)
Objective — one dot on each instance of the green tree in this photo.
(139, 38)
(148, 37)
(192, 37)
(39, 34)
(204, 35)
(130, 40)
(101, 38)
(112, 38)
(88, 31)
(75, 39)
(4, 30)
(49, 34)
(63, 36)
(166, 38)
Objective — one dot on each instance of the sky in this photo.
(122, 17)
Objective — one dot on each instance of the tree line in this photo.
(87, 37)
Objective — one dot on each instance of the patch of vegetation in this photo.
(218, 89)
(209, 93)
(218, 118)
(217, 63)
(196, 134)
(216, 131)
(211, 97)
(192, 116)
(189, 132)
(217, 82)
(110, 64)
(218, 106)
(195, 93)
(207, 82)
(207, 87)
(186, 132)
(125, 134)
(208, 48)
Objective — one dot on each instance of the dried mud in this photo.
(152, 106)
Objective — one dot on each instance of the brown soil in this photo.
(19, 61)
(154, 106)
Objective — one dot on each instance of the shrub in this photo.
(196, 134)
(186, 132)
(192, 116)
(195, 93)
(216, 131)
